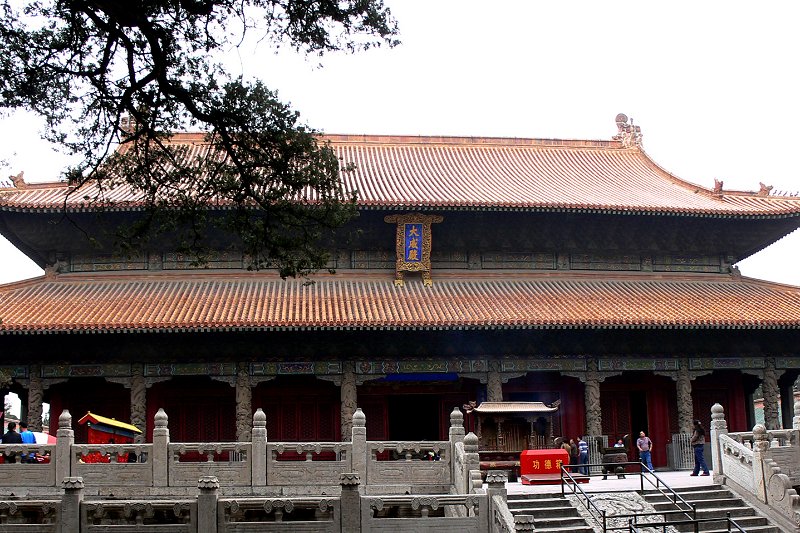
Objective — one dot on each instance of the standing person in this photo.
(698, 442)
(645, 445)
(27, 438)
(11, 437)
(573, 454)
(583, 449)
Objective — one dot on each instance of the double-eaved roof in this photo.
(403, 172)
(427, 173)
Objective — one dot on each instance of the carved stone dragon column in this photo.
(684, 393)
(349, 398)
(138, 401)
(771, 394)
(244, 403)
(494, 383)
(35, 399)
(594, 416)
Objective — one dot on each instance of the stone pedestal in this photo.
(70, 519)
(350, 501)
(207, 503)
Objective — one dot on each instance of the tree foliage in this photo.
(113, 79)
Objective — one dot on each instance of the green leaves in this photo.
(115, 79)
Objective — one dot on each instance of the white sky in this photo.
(713, 84)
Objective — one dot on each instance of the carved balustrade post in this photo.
(496, 481)
(456, 435)
(207, 504)
(139, 402)
(349, 398)
(472, 463)
(65, 439)
(161, 449)
(358, 459)
(258, 461)
(70, 520)
(35, 399)
(769, 386)
(350, 501)
(718, 427)
(594, 416)
(244, 402)
(760, 447)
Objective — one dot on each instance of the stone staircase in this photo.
(714, 501)
(551, 512)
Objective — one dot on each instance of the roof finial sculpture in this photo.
(18, 180)
(629, 134)
(717, 186)
(764, 190)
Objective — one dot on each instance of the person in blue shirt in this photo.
(27, 438)
(583, 449)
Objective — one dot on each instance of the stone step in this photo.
(539, 503)
(545, 512)
(689, 496)
(576, 521)
(565, 529)
(701, 504)
(553, 513)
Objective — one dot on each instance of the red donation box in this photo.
(539, 462)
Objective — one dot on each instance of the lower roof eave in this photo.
(78, 330)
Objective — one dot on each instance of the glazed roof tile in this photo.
(195, 302)
(479, 173)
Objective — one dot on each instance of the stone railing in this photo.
(425, 513)
(229, 462)
(318, 463)
(386, 467)
(98, 464)
(41, 516)
(737, 461)
(762, 465)
(13, 471)
(279, 514)
(409, 463)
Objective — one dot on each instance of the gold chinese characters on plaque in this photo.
(413, 244)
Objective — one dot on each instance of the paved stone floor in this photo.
(674, 479)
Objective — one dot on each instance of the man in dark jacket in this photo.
(11, 436)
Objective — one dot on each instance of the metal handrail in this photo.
(590, 505)
(633, 524)
(644, 469)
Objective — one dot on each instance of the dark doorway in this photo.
(413, 417)
(638, 413)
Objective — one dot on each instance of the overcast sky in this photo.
(713, 86)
